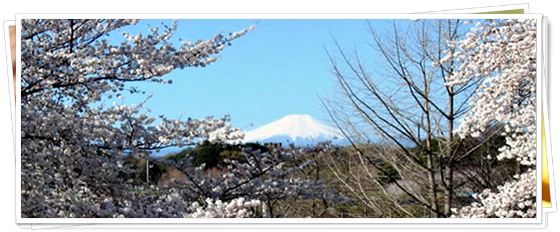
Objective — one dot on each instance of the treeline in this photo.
(358, 183)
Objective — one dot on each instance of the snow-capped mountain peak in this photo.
(299, 129)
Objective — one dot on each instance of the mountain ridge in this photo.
(297, 129)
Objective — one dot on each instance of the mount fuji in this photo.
(297, 129)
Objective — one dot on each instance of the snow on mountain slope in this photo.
(301, 130)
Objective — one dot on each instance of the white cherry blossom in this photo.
(504, 54)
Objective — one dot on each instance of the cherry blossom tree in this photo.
(239, 208)
(273, 177)
(72, 141)
(503, 54)
(74, 144)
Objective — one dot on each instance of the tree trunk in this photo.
(430, 163)
(449, 150)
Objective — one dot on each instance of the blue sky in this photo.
(277, 69)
